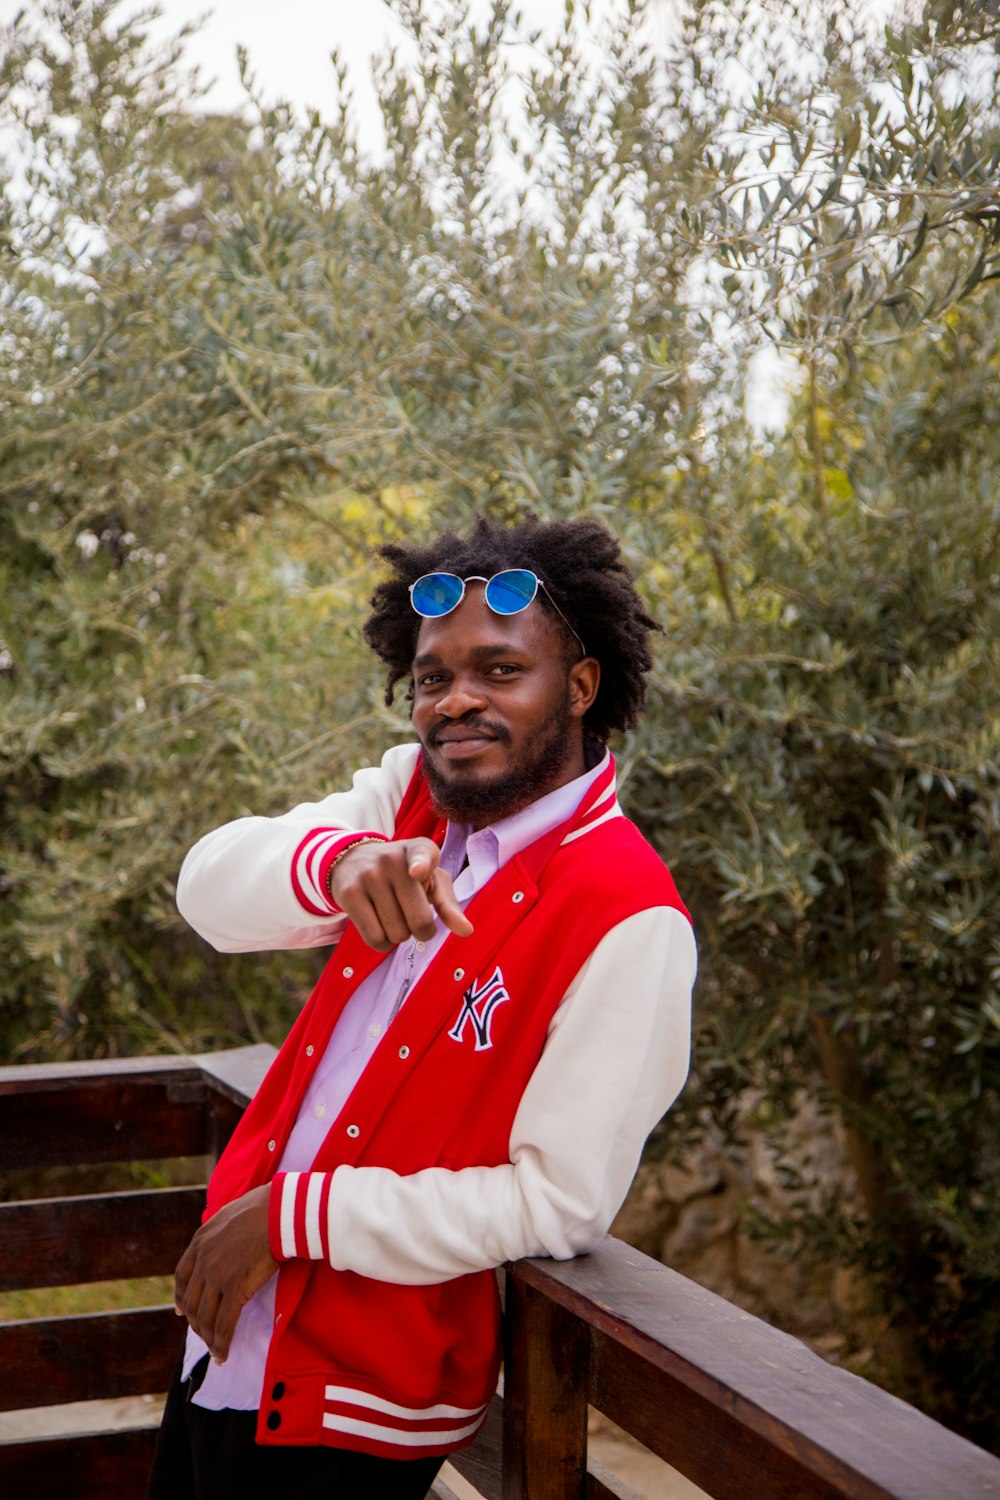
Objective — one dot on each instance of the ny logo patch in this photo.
(478, 1004)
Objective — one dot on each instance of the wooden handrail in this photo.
(737, 1406)
(76, 1115)
(745, 1411)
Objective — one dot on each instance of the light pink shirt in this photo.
(238, 1383)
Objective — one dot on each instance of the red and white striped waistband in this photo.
(405, 1426)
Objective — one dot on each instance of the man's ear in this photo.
(584, 680)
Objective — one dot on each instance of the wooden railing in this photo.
(74, 1117)
(746, 1412)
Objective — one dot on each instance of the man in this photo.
(504, 1017)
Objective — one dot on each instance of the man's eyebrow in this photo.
(478, 653)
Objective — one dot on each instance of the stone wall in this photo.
(694, 1216)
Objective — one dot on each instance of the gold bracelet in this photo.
(369, 839)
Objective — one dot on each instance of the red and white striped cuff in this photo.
(298, 1221)
(311, 863)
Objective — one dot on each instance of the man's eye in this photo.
(430, 679)
(503, 669)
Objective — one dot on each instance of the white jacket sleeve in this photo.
(615, 1059)
(252, 885)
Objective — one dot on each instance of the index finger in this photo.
(441, 894)
(422, 858)
(182, 1275)
(225, 1326)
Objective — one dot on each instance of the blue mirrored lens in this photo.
(436, 594)
(510, 592)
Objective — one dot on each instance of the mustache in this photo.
(498, 732)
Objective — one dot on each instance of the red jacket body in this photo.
(403, 1370)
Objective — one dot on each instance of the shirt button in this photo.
(517, 896)
(374, 1031)
(310, 1050)
(404, 1052)
(420, 947)
(348, 972)
(459, 973)
(270, 1145)
(320, 1111)
(353, 1132)
(273, 1420)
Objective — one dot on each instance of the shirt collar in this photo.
(488, 849)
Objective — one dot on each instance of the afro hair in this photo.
(581, 566)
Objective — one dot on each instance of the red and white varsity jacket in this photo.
(406, 1367)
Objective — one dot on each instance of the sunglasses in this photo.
(506, 593)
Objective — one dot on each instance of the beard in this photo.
(530, 776)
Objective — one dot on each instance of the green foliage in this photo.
(240, 352)
(151, 616)
(829, 796)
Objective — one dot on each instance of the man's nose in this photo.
(461, 697)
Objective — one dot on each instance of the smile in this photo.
(460, 744)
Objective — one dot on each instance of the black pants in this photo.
(214, 1455)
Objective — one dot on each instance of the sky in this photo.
(289, 44)
(289, 41)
